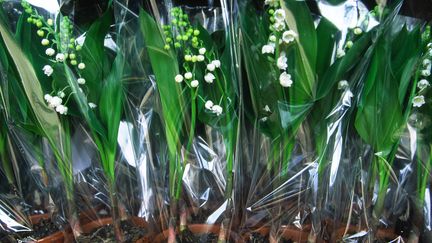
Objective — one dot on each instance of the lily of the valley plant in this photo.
(195, 84)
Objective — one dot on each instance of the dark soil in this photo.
(105, 234)
(43, 229)
(259, 238)
(187, 236)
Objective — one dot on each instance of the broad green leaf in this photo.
(299, 19)
(110, 111)
(340, 68)
(46, 117)
(326, 41)
(261, 75)
(165, 67)
(95, 55)
(379, 117)
(406, 52)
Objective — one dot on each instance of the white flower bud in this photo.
(188, 75)
(285, 80)
(279, 26)
(202, 51)
(358, 31)
(60, 57)
(200, 58)
(194, 83)
(272, 38)
(209, 77)
(50, 52)
(45, 42)
(48, 70)
(208, 105)
(216, 63)
(267, 49)
(179, 78)
(61, 94)
(349, 44)
(81, 81)
(282, 62)
(217, 109)
(422, 84)
(81, 66)
(211, 67)
(48, 98)
(62, 109)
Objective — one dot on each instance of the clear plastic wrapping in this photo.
(214, 121)
(200, 121)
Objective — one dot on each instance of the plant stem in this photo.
(72, 214)
(425, 177)
(383, 173)
(115, 211)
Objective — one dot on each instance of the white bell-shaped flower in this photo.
(418, 101)
(48, 70)
(178, 78)
(209, 77)
(285, 80)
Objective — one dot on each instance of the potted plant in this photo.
(195, 81)
(296, 87)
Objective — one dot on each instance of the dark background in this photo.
(87, 10)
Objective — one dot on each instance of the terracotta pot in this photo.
(93, 225)
(200, 229)
(57, 237)
(382, 234)
(92, 214)
(286, 232)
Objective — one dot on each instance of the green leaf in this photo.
(299, 19)
(379, 118)
(326, 40)
(95, 56)
(165, 67)
(46, 117)
(111, 110)
(261, 74)
(342, 67)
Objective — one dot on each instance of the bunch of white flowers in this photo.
(423, 84)
(55, 102)
(280, 36)
(279, 18)
(180, 33)
(217, 109)
(209, 77)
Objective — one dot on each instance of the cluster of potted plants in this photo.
(231, 121)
